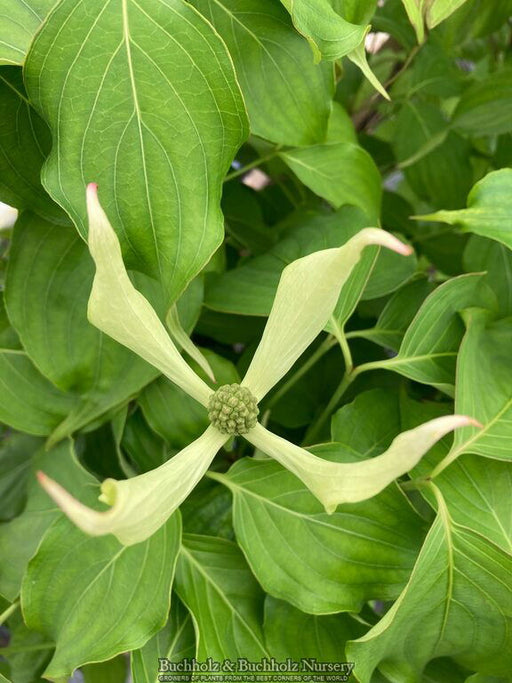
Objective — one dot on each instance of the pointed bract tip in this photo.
(92, 188)
(466, 421)
(41, 477)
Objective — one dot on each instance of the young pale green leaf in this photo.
(24, 144)
(415, 9)
(215, 583)
(336, 483)
(329, 35)
(174, 642)
(438, 10)
(119, 310)
(323, 168)
(157, 117)
(20, 21)
(484, 387)
(141, 505)
(288, 97)
(127, 590)
(489, 209)
(305, 299)
(284, 532)
(485, 108)
(358, 57)
(458, 576)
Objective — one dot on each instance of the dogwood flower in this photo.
(307, 294)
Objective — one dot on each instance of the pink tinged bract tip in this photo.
(92, 188)
(466, 421)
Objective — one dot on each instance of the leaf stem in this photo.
(315, 428)
(325, 346)
(253, 164)
(10, 610)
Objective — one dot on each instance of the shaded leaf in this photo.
(485, 108)
(372, 546)
(16, 451)
(216, 585)
(20, 21)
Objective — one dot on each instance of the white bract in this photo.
(307, 294)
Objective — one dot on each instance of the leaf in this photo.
(28, 652)
(323, 168)
(474, 488)
(284, 533)
(484, 387)
(111, 671)
(16, 452)
(358, 57)
(414, 9)
(126, 589)
(175, 642)
(158, 97)
(368, 425)
(398, 314)
(485, 108)
(48, 283)
(439, 173)
(250, 289)
(439, 10)
(20, 21)
(28, 401)
(483, 254)
(288, 98)
(429, 348)
(458, 576)
(294, 634)
(328, 34)
(489, 209)
(216, 585)
(20, 537)
(24, 144)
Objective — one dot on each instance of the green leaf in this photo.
(28, 401)
(288, 98)
(458, 576)
(24, 145)
(369, 424)
(439, 10)
(159, 119)
(284, 531)
(174, 642)
(126, 589)
(111, 671)
(16, 451)
(94, 371)
(474, 488)
(439, 173)
(414, 9)
(324, 169)
(20, 21)
(483, 254)
(429, 348)
(294, 634)
(216, 585)
(397, 315)
(20, 537)
(328, 34)
(484, 387)
(28, 652)
(489, 209)
(485, 108)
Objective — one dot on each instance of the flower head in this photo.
(307, 294)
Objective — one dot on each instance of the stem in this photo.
(315, 428)
(7, 613)
(253, 164)
(325, 346)
(340, 335)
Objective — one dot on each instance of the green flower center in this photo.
(233, 409)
